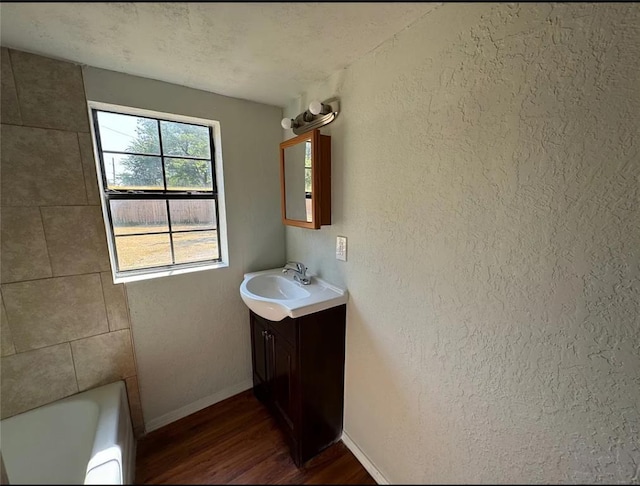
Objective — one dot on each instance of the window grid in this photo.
(166, 195)
(140, 154)
(164, 181)
(167, 232)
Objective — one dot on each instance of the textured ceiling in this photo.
(266, 52)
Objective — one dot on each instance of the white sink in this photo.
(274, 295)
(270, 286)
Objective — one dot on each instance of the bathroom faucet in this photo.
(299, 272)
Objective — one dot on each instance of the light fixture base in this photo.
(307, 121)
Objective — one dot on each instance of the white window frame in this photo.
(149, 273)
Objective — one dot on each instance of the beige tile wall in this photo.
(65, 326)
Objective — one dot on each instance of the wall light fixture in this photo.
(318, 115)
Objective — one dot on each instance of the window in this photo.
(159, 189)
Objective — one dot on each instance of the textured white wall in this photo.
(486, 173)
(191, 331)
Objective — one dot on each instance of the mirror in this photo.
(305, 171)
(298, 188)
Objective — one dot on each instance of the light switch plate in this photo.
(341, 248)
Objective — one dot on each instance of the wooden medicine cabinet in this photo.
(305, 180)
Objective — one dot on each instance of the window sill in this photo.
(167, 273)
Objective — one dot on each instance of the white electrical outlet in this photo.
(341, 248)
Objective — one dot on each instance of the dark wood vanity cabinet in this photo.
(298, 373)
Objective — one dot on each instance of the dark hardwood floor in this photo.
(237, 441)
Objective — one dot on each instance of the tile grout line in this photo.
(50, 205)
(133, 347)
(15, 85)
(104, 303)
(6, 315)
(52, 277)
(64, 342)
(73, 363)
(23, 125)
(84, 175)
(46, 244)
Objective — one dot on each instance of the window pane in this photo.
(185, 140)
(143, 251)
(139, 216)
(307, 155)
(196, 246)
(188, 175)
(307, 180)
(136, 172)
(193, 215)
(125, 133)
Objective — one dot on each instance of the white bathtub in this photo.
(83, 439)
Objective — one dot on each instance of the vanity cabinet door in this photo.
(298, 373)
(259, 332)
(283, 380)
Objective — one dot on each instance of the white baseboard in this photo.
(196, 406)
(364, 460)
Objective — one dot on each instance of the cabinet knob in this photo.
(265, 334)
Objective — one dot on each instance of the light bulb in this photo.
(315, 107)
(286, 123)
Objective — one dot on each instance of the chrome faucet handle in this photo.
(299, 267)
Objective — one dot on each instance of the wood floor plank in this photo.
(237, 441)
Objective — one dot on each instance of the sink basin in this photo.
(274, 295)
(269, 286)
